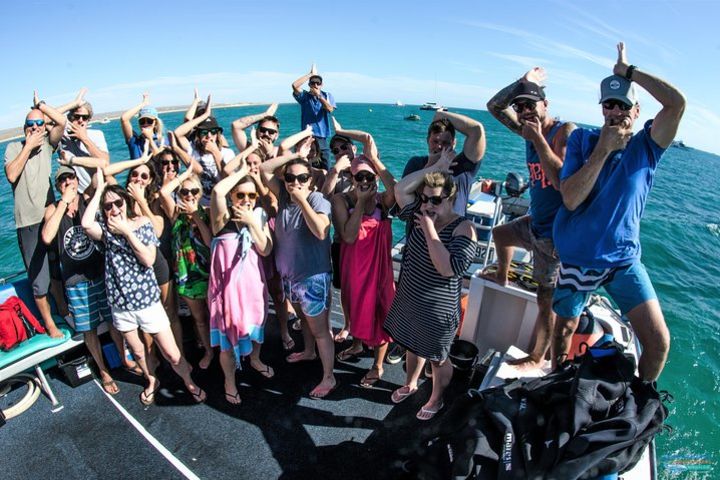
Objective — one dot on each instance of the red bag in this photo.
(17, 323)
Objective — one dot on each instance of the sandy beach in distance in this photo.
(15, 133)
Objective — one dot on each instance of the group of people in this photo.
(227, 232)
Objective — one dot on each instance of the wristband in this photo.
(629, 72)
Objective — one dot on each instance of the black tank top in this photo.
(80, 259)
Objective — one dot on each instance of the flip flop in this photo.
(370, 378)
(348, 354)
(318, 393)
(428, 413)
(233, 399)
(107, 387)
(137, 371)
(288, 345)
(296, 325)
(149, 399)
(299, 357)
(398, 396)
(266, 372)
(198, 397)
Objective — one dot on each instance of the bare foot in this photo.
(525, 364)
(342, 336)
(493, 277)
(300, 357)
(324, 389)
(206, 359)
(54, 332)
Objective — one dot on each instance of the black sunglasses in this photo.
(187, 191)
(520, 106)
(244, 195)
(146, 121)
(269, 131)
(142, 175)
(109, 205)
(302, 178)
(364, 177)
(205, 132)
(344, 147)
(435, 199)
(165, 163)
(611, 104)
(80, 117)
(315, 82)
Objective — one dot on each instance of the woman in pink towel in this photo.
(237, 293)
(367, 286)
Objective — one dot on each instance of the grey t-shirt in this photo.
(299, 254)
(32, 190)
(75, 148)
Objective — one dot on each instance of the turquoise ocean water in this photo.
(681, 248)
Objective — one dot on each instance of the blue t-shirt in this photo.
(604, 231)
(298, 253)
(544, 198)
(136, 143)
(313, 113)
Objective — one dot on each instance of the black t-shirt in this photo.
(80, 258)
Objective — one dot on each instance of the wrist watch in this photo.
(629, 72)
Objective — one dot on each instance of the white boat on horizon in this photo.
(433, 106)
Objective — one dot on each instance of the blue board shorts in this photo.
(88, 304)
(312, 293)
(628, 286)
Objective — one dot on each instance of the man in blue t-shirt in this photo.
(604, 182)
(523, 108)
(315, 104)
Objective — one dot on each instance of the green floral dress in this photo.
(192, 257)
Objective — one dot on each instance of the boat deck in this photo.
(277, 432)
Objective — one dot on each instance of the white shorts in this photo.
(152, 319)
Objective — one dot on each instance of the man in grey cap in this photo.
(605, 181)
(523, 109)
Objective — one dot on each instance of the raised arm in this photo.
(55, 115)
(407, 186)
(239, 159)
(290, 142)
(268, 168)
(219, 214)
(499, 105)
(183, 155)
(666, 122)
(239, 125)
(297, 84)
(126, 117)
(77, 102)
(183, 130)
(190, 113)
(167, 202)
(117, 167)
(368, 143)
(89, 219)
(474, 147)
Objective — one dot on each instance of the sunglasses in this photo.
(31, 123)
(143, 175)
(65, 177)
(364, 177)
(205, 132)
(244, 195)
(315, 82)
(80, 117)
(189, 191)
(109, 205)
(165, 163)
(520, 106)
(435, 199)
(302, 178)
(611, 104)
(146, 121)
(344, 147)
(268, 131)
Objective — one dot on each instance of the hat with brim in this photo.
(149, 112)
(209, 124)
(528, 91)
(619, 88)
(360, 163)
(64, 169)
(340, 138)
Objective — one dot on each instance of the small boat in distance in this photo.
(432, 106)
(399, 104)
(413, 118)
(678, 144)
(105, 120)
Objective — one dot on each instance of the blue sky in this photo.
(458, 53)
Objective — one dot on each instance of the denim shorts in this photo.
(312, 293)
(628, 286)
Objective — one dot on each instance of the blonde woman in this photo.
(151, 128)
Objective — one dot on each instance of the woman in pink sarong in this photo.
(367, 286)
(237, 294)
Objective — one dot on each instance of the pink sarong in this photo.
(366, 278)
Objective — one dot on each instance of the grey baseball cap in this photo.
(620, 88)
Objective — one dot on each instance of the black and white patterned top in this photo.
(425, 313)
(129, 284)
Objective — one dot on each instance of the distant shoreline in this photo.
(15, 133)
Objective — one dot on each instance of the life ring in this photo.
(27, 401)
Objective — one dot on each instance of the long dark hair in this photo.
(122, 193)
(152, 189)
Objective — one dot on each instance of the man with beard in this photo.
(523, 108)
(267, 132)
(605, 181)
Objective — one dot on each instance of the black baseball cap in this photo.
(208, 124)
(528, 90)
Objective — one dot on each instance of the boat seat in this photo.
(31, 353)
